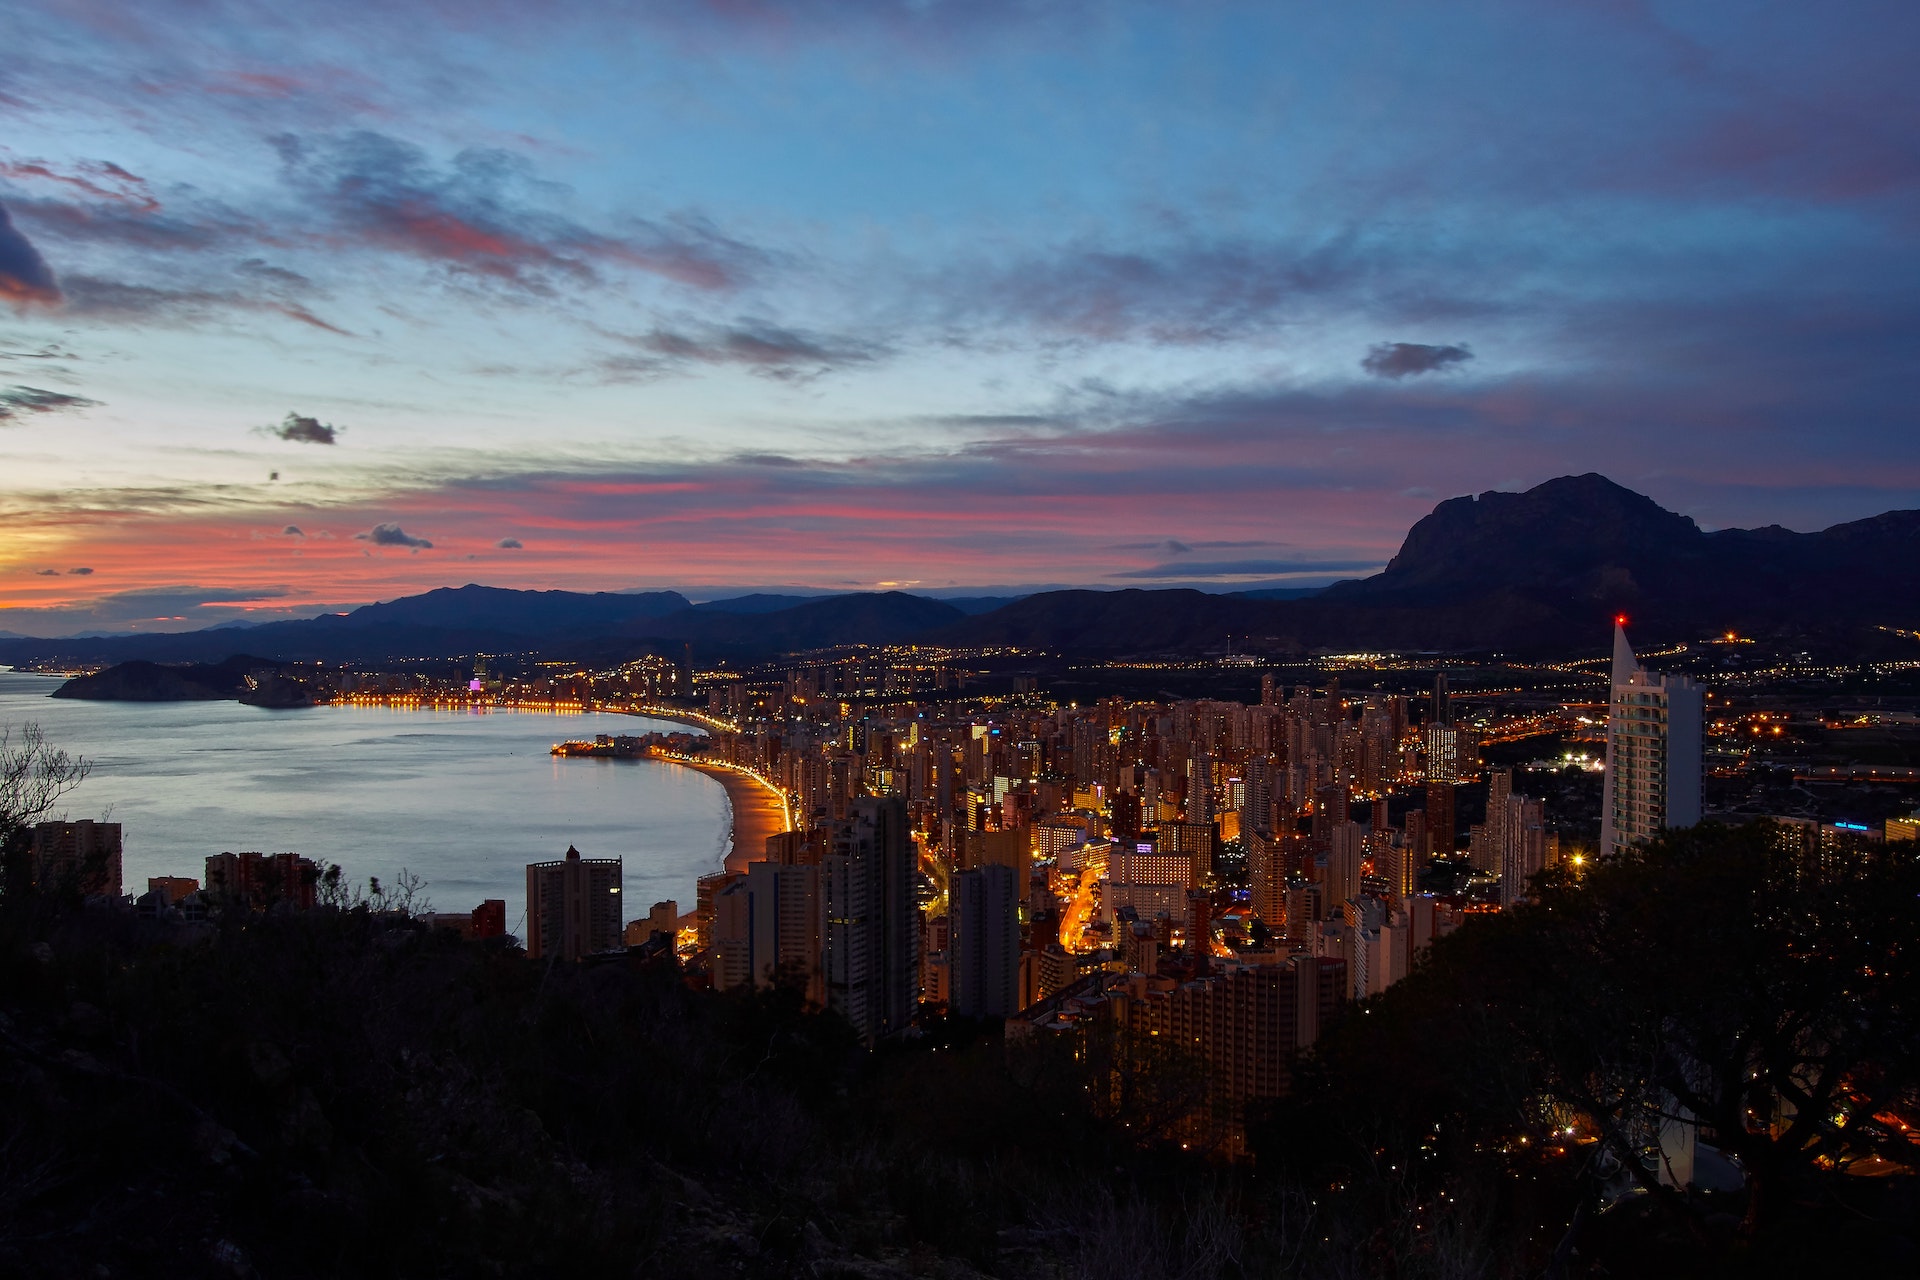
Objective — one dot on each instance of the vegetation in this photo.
(1532, 1067)
(344, 1092)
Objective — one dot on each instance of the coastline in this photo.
(757, 813)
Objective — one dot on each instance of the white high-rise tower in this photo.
(1653, 752)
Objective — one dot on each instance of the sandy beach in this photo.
(757, 813)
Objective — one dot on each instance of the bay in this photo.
(462, 799)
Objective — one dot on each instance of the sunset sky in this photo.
(303, 306)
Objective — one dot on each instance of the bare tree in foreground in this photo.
(33, 777)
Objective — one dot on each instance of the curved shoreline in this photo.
(756, 813)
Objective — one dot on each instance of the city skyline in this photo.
(920, 295)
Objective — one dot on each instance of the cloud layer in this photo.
(1409, 359)
(17, 402)
(24, 275)
(934, 292)
(301, 429)
(392, 535)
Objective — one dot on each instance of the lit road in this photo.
(1078, 917)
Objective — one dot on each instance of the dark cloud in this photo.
(391, 535)
(128, 303)
(47, 573)
(302, 429)
(1175, 547)
(293, 531)
(25, 277)
(86, 223)
(510, 544)
(17, 401)
(80, 573)
(786, 355)
(766, 460)
(94, 202)
(260, 269)
(172, 608)
(485, 213)
(1178, 293)
(1409, 359)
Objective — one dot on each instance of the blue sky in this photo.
(835, 295)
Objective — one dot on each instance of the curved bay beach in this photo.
(757, 812)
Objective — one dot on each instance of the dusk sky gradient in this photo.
(307, 306)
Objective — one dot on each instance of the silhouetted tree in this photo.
(34, 775)
(1713, 979)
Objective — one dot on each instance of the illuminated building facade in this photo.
(1653, 752)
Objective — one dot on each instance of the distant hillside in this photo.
(758, 602)
(525, 613)
(1533, 571)
(1537, 572)
(888, 617)
(1583, 547)
(456, 621)
(150, 682)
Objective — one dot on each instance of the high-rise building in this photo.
(1489, 854)
(1125, 808)
(1344, 855)
(996, 848)
(872, 933)
(767, 930)
(1440, 818)
(787, 925)
(1401, 870)
(1653, 752)
(1419, 843)
(1526, 847)
(1256, 808)
(573, 907)
(1267, 872)
(984, 947)
(1450, 752)
(1200, 789)
(82, 857)
(731, 957)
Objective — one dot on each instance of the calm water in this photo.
(464, 800)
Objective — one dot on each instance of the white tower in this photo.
(1653, 752)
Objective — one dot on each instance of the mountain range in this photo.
(1538, 571)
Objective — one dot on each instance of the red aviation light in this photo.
(1619, 619)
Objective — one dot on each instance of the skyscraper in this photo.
(985, 944)
(1653, 752)
(1441, 828)
(1267, 871)
(1489, 854)
(1525, 847)
(872, 942)
(573, 907)
(1344, 856)
(82, 857)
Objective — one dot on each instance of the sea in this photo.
(462, 799)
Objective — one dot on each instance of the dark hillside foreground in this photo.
(344, 1093)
